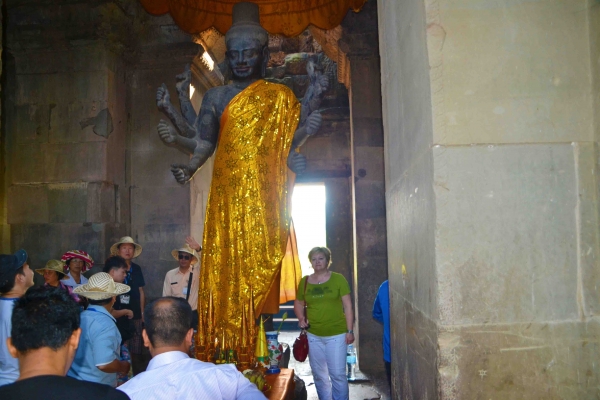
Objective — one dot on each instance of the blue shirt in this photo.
(175, 376)
(98, 345)
(381, 312)
(9, 366)
(71, 282)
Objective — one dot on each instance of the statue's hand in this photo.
(181, 173)
(323, 83)
(296, 162)
(313, 123)
(163, 99)
(183, 81)
(166, 132)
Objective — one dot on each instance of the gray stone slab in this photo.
(41, 241)
(506, 250)
(67, 202)
(72, 162)
(586, 156)
(101, 204)
(28, 204)
(152, 168)
(32, 123)
(27, 164)
(367, 132)
(370, 199)
(155, 205)
(548, 360)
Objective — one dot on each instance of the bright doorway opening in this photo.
(308, 214)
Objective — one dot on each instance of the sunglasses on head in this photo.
(185, 257)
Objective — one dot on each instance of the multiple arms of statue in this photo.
(310, 118)
(182, 85)
(163, 102)
(199, 138)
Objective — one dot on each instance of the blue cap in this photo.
(9, 263)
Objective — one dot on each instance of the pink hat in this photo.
(82, 255)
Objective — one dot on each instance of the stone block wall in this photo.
(85, 165)
(4, 227)
(359, 42)
(492, 195)
(66, 182)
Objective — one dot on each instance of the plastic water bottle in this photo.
(351, 362)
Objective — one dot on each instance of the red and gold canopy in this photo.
(284, 17)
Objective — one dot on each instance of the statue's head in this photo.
(247, 43)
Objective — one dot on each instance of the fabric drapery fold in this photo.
(247, 226)
(278, 17)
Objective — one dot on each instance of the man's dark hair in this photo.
(99, 302)
(44, 317)
(114, 262)
(8, 280)
(167, 320)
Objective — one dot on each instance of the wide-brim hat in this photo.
(53, 265)
(101, 286)
(9, 263)
(114, 249)
(80, 254)
(186, 249)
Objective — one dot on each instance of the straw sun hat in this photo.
(101, 286)
(114, 249)
(186, 249)
(53, 265)
(80, 254)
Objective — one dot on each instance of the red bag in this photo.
(300, 349)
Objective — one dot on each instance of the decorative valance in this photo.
(278, 17)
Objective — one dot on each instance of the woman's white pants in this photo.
(327, 357)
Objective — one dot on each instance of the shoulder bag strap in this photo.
(187, 296)
(305, 302)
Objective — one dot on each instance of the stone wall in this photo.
(160, 207)
(359, 43)
(84, 162)
(410, 198)
(492, 199)
(4, 228)
(66, 125)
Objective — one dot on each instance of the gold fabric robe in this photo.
(246, 230)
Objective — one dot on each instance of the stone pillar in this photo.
(66, 126)
(360, 45)
(491, 129)
(4, 228)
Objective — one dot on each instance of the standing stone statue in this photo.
(256, 126)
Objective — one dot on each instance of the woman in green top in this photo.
(329, 309)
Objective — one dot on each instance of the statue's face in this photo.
(245, 57)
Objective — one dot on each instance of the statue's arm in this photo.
(182, 85)
(296, 161)
(169, 135)
(207, 132)
(163, 102)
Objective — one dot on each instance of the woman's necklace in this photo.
(324, 279)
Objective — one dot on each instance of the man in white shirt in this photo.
(172, 374)
(183, 281)
(15, 279)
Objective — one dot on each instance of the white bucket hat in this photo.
(101, 286)
(186, 249)
(114, 249)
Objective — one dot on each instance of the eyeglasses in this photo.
(185, 257)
